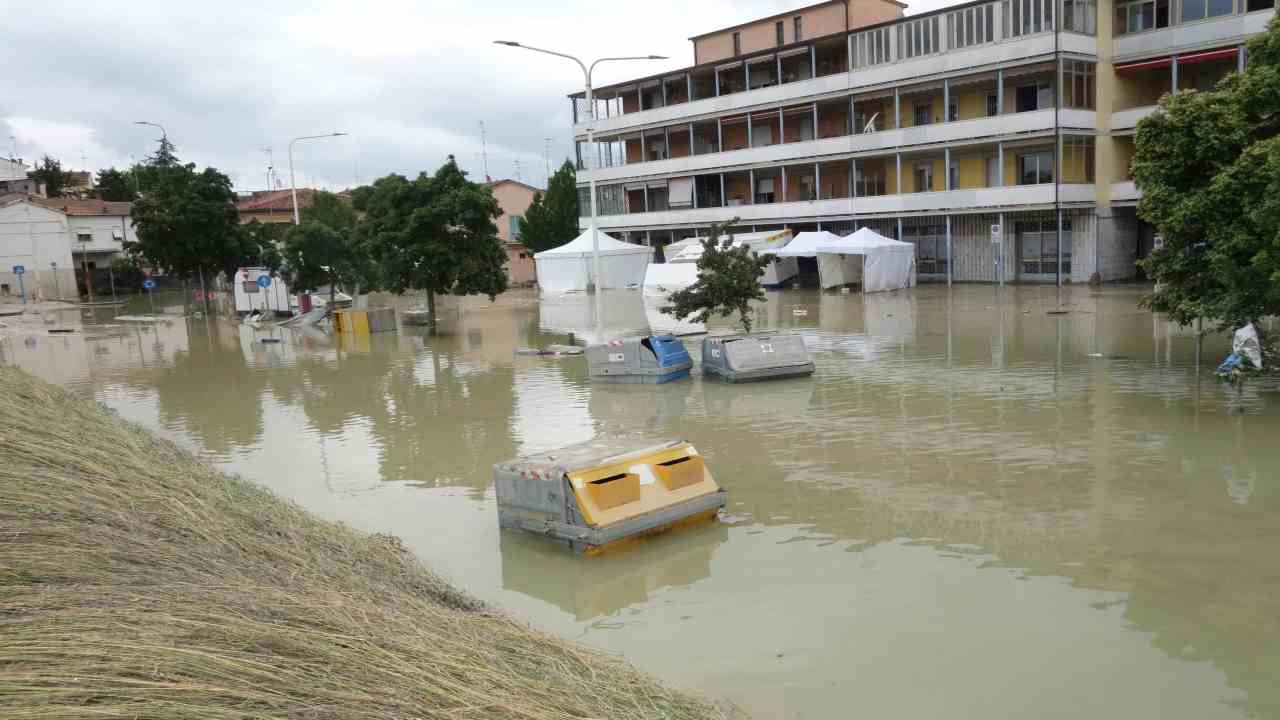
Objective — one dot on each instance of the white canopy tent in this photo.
(663, 278)
(762, 243)
(568, 268)
(865, 258)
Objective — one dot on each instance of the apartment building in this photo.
(994, 135)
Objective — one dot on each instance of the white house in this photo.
(37, 238)
(98, 228)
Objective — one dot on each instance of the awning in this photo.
(1146, 65)
(1206, 56)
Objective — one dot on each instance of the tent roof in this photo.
(806, 244)
(580, 247)
(862, 241)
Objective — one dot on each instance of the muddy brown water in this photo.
(979, 506)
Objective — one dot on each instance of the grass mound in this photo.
(138, 582)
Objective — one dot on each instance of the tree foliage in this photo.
(728, 281)
(325, 248)
(49, 171)
(1208, 165)
(552, 219)
(434, 234)
(187, 221)
(115, 186)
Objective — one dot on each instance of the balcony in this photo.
(1003, 52)
(1226, 30)
(884, 140)
(1021, 197)
(1128, 119)
(1125, 192)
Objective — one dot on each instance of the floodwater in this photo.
(1018, 502)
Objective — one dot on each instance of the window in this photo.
(1033, 97)
(993, 104)
(737, 43)
(1200, 9)
(4, 289)
(117, 235)
(1077, 159)
(799, 34)
(931, 247)
(871, 48)
(953, 175)
(971, 26)
(780, 32)
(918, 37)
(1140, 16)
(764, 190)
(1027, 17)
(84, 237)
(513, 228)
(923, 113)
(680, 192)
(869, 185)
(1038, 246)
(953, 109)
(1078, 86)
(1080, 16)
(924, 177)
(1035, 168)
(250, 287)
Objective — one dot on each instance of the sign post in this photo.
(57, 294)
(20, 270)
(150, 285)
(264, 282)
(997, 248)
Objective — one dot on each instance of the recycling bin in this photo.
(653, 359)
(605, 492)
(759, 356)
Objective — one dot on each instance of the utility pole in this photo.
(546, 160)
(484, 153)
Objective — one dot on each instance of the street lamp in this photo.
(163, 135)
(591, 118)
(293, 186)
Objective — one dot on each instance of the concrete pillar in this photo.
(639, 98)
(723, 200)
(898, 175)
(999, 91)
(662, 86)
(782, 127)
(1000, 253)
(784, 183)
(899, 238)
(1058, 268)
(750, 140)
(1173, 72)
(813, 61)
(817, 181)
(746, 73)
(692, 152)
(1000, 164)
(646, 197)
(751, 187)
(719, 136)
(946, 101)
(950, 270)
(1240, 60)
(688, 84)
(853, 179)
(815, 121)
(897, 109)
(717, 77)
(946, 163)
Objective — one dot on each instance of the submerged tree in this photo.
(728, 280)
(434, 234)
(552, 219)
(1208, 165)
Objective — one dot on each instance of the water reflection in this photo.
(1007, 496)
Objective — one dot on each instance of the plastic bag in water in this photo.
(1245, 344)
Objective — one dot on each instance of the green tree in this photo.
(49, 171)
(1208, 165)
(187, 222)
(329, 209)
(434, 234)
(262, 244)
(114, 185)
(728, 280)
(552, 219)
(326, 250)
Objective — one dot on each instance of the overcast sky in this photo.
(411, 81)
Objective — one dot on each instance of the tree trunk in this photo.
(431, 311)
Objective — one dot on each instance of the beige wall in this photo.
(514, 199)
(815, 22)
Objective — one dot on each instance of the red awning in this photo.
(1208, 55)
(1145, 65)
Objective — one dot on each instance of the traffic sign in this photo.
(264, 281)
(19, 269)
(996, 231)
(148, 284)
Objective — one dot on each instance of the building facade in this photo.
(38, 239)
(995, 135)
(514, 198)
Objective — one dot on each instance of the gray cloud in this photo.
(410, 81)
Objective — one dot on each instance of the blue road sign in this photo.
(148, 284)
(19, 269)
(264, 281)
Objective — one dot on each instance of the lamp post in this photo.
(293, 186)
(163, 135)
(591, 119)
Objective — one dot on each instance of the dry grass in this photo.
(138, 582)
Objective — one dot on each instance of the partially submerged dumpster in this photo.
(761, 356)
(600, 493)
(364, 321)
(652, 359)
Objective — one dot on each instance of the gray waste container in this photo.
(760, 356)
(604, 491)
(652, 359)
